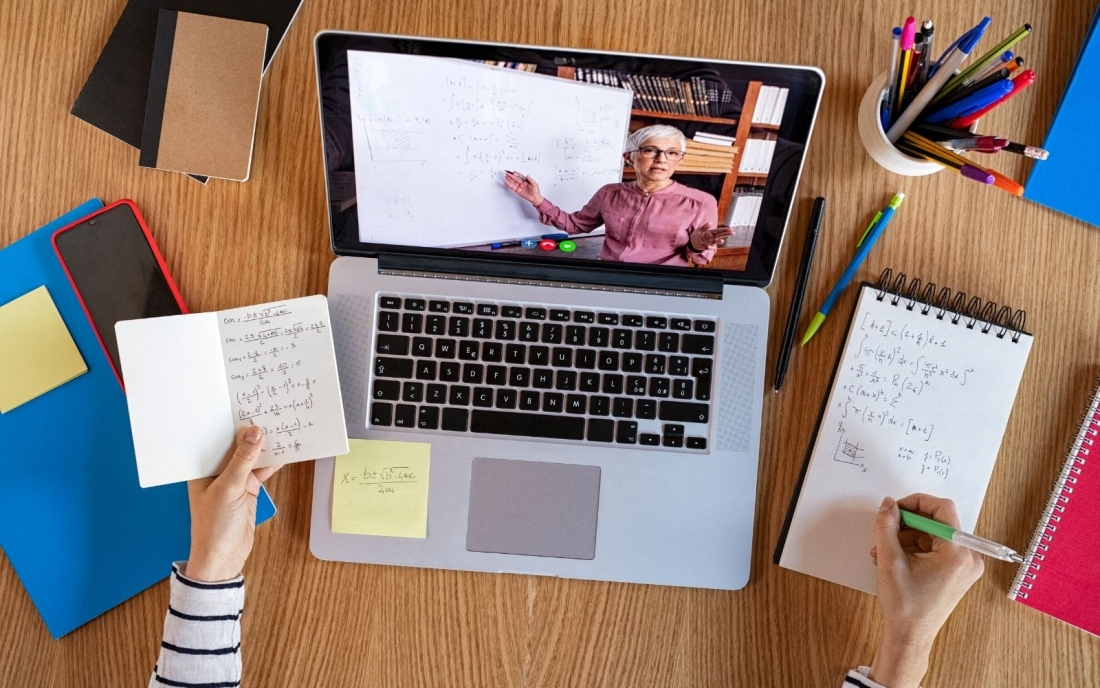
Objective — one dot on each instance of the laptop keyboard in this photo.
(542, 371)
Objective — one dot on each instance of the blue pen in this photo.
(850, 271)
(973, 102)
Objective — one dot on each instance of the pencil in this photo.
(984, 61)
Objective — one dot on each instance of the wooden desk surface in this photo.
(312, 623)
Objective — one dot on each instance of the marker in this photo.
(503, 244)
(521, 177)
(946, 532)
(850, 271)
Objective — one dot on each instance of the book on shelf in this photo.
(744, 210)
(704, 139)
(769, 105)
(521, 66)
(694, 95)
(757, 159)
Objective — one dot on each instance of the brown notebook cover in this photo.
(204, 90)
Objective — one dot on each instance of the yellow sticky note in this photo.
(381, 488)
(37, 353)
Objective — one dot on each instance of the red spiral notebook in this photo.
(1060, 575)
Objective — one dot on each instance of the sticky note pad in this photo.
(381, 488)
(37, 352)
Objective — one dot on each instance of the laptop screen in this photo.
(555, 156)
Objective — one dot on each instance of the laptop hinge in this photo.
(593, 278)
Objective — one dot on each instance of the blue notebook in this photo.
(1067, 180)
(81, 534)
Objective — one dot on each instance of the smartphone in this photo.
(117, 272)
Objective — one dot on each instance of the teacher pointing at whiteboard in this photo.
(651, 220)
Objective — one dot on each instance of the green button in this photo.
(568, 246)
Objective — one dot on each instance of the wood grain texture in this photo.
(313, 623)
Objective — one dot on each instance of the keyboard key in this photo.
(636, 385)
(632, 362)
(506, 330)
(561, 357)
(439, 307)
(492, 352)
(599, 406)
(680, 324)
(673, 429)
(600, 430)
(608, 360)
(585, 360)
(599, 336)
(684, 411)
(412, 323)
(412, 391)
(608, 318)
(393, 367)
(645, 340)
(455, 420)
(626, 432)
(701, 370)
(519, 377)
(496, 375)
(566, 380)
(414, 304)
(472, 373)
(649, 440)
(387, 389)
(459, 395)
(645, 408)
(553, 402)
(673, 440)
(425, 370)
(388, 321)
(392, 344)
(469, 350)
(421, 347)
(464, 308)
(683, 389)
(535, 314)
(528, 400)
(486, 309)
(389, 302)
(622, 407)
(543, 378)
(381, 413)
(702, 344)
(483, 328)
(445, 348)
(656, 323)
(527, 425)
(669, 342)
(590, 382)
(528, 332)
(450, 371)
(483, 396)
(696, 443)
(633, 320)
(701, 367)
(404, 416)
(655, 364)
(506, 398)
(575, 403)
(517, 353)
(612, 383)
(677, 365)
(559, 315)
(575, 335)
(584, 317)
(659, 387)
(459, 326)
(538, 355)
(551, 333)
(435, 325)
(621, 339)
(511, 311)
(704, 326)
(428, 418)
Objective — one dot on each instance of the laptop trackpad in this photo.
(534, 508)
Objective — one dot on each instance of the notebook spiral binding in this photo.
(952, 304)
(1059, 496)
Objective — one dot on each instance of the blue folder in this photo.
(81, 534)
(1067, 180)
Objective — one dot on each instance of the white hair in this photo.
(654, 131)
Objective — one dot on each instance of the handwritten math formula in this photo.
(383, 481)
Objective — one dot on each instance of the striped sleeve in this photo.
(857, 678)
(202, 634)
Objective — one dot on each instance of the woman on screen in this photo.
(651, 220)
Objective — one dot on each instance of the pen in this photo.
(1006, 59)
(892, 78)
(926, 60)
(972, 103)
(946, 532)
(944, 158)
(799, 291)
(908, 31)
(974, 86)
(981, 144)
(1022, 81)
(986, 59)
(850, 271)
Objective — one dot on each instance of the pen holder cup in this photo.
(875, 141)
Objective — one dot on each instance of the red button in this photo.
(548, 244)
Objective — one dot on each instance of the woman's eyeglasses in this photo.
(651, 153)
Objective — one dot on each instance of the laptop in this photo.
(590, 385)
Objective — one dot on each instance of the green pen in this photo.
(946, 532)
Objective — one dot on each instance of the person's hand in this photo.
(705, 238)
(920, 580)
(223, 512)
(524, 187)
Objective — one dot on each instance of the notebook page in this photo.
(917, 405)
(281, 369)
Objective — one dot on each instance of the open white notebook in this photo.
(192, 381)
(919, 402)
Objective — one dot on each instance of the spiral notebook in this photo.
(919, 401)
(1060, 575)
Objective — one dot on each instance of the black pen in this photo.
(799, 291)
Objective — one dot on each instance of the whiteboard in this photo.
(433, 137)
